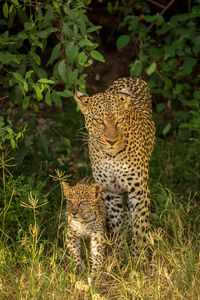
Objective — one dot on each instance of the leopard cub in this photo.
(86, 216)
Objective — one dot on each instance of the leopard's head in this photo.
(106, 119)
(82, 200)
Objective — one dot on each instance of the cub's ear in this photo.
(95, 190)
(82, 101)
(66, 188)
(126, 95)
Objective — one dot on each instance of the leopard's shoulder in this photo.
(136, 88)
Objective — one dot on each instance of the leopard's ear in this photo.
(66, 188)
(82, 101)
(95, 190)
(126, 95)
(125, 92)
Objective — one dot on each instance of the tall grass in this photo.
(34, 262)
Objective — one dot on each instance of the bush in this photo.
(43, 51)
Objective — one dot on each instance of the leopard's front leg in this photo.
(114, 206)
(139, 205)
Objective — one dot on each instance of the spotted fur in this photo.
(86, 215)
(121, 139)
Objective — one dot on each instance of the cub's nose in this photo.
(111, 142)
(74, 212)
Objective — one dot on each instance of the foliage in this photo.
(34, 265)
(6, 133)
(43, 50)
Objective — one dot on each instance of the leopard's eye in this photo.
(120, 120)
(99, 121)
(81, 203)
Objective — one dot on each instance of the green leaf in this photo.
(36, 58)
(26, 102)
(28, 25)
(187, 67)
(196, 94)
(45, 80)
(38, 91)
(46, 32)
(66, 94)
(166, 128)
(82, 58)
(82, 27)
(18, 77)
(19, 135)
(178, 89)
(22, 35)
(25, 86)
(196, 11)
(7, 58)
(54, 54)
(62, 70)
(151, 69)
(72, 54)
(96, 55)
(155, 52)
(36, 107)
(40, 72)
(84, 43)
(13, 144)
(2, 123)
(48, 98)
(93, 28)
(28, 74)
(66, 29)
(5, 10)
(122, 41)
(168, 84)
(15, 2)
(9, 129)
(136, 68)
(160, 107)
(56, 99)
(48, 16)
(43, 34)
(68, 46)
(190, 103)
(164, 29)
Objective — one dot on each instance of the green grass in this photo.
(34, 263)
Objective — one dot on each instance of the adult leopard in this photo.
(121, 139)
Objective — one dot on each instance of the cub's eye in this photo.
(99, 121)
(81, 203)
(69, 202)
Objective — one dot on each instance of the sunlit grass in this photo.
(169, 267)
(34, 261)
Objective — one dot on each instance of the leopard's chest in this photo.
(112, 173)
(83, 229)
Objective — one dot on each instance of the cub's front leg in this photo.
(97, 253)
(74, 247)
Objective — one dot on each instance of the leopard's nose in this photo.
(111, 142)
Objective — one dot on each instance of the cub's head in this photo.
(106, 119)
(82, 200)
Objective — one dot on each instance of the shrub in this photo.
(43, 51)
